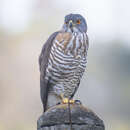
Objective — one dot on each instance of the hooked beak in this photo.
(70, 23)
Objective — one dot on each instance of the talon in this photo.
(65, 100)
(71, 101)
(78, 102)
(58, 103)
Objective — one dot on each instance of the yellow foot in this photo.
(66, 101)
(71, 101)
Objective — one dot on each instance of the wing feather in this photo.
(43, 62)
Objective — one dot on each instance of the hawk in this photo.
(63, 61)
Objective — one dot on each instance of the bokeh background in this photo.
(24, 27)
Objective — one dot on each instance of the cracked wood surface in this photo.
(57, 118)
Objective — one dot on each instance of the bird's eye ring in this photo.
(78, 21)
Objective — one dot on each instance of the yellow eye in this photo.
(78, 21)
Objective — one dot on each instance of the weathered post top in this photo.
(57, 118)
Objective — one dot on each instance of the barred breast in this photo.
(67, 62)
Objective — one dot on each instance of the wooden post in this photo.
(57, 118)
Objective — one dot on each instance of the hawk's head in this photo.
(74, 23)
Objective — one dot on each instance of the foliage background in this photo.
(26, 25)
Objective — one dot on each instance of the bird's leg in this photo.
(71, 101)
(66, 100)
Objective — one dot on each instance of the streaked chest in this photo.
(68, 55)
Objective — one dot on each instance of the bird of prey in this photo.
(63, 61)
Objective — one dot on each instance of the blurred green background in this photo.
(24, 27)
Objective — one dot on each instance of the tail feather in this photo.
(44, 92)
